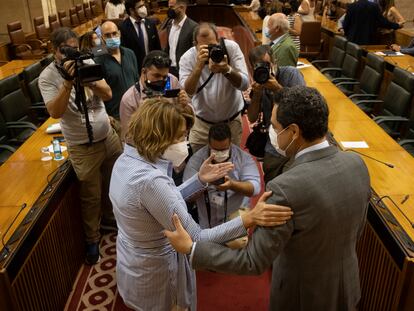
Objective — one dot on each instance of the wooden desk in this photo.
(253, 20)
(386, 248)
(88, 26)
(15, 67)
(45, 236)
(405, 62)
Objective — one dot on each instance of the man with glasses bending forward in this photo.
(315, 266)
(92, 156)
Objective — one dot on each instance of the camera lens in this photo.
(216, 53)
(261, 72)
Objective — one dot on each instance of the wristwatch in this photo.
(228, 72)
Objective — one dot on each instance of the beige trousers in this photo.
(93, 167)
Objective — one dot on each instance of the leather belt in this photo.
(224, 121)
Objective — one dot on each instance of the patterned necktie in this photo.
(140, 36)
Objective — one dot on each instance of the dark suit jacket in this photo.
(315, 266)
(129, 39)
(185, 39)
(362, 20)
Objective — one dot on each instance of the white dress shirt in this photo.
(144, 31)
(321, 145)
(173, 39)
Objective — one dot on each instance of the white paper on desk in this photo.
(389, 55)
(354, 144)
(301, 65)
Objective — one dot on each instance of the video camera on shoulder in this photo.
(86, 73)
(261, 72)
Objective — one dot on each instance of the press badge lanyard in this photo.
(208, 206)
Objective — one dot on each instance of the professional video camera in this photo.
(216, 52)
(261, 72)
(86, 73)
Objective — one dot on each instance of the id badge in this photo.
(217, 199)
(91, 117)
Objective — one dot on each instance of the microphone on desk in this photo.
(396, 205)
(5, 233)
(372, 158)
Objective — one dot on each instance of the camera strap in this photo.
(208, 206)
(205, 83)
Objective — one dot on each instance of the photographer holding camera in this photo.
(155, 80)
(214, 75)
(93, 145)
(224, 198)
(269, 78)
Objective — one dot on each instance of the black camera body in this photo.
(261, 72)
(218, 182)
(86, 73)
(216, 53)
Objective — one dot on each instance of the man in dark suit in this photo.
(362, 20)
(137, 32)
(180, 30)
(315, 266)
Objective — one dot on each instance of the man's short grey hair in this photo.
(281, 21)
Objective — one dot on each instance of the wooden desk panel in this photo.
(15, 67)
(39, 139)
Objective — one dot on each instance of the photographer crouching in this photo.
(214, 73)
(93, 145)
(269, 78)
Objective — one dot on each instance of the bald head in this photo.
(278, 25)
(111, 36)
(109, 26)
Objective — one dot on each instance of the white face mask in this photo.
(273, 140)
(142, 11)
(97, 42)
(176, 153)
(221, 155)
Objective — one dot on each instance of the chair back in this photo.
(30, 77)
(14, 105)
(310, 39)
(74, 19)
(352, 60)
(336, 58)
(94, 10)
(16, 33)
(371, 77)
(47, 60)
(397, 100)
(81, 16)
(88, 13)
(53, 22)
(42, 32)
(64, 19)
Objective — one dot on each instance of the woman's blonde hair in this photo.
(156, 125)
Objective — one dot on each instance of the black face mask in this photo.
(171, 13)
(156, 86)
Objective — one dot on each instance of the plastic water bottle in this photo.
(57, 151)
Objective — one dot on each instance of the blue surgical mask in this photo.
(266, 32)
(113, 43)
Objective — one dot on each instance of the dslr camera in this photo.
(86, 73)
(215, 52)
(261, 72)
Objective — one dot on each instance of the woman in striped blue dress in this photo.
(290, 9)
(150, 274)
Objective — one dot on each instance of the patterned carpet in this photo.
(95, 287)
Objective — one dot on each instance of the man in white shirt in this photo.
(139, 33)
(215, 87)
(180, 29)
